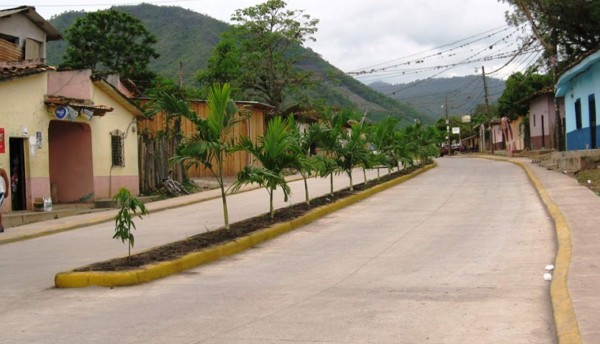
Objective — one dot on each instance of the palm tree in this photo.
(417, 144)
(345, 142)
(382, 136)
(211, 143)
(276, 151)
(307, 162)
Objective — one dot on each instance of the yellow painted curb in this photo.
(75, 279)
(567, 329)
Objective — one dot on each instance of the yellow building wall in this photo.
(107, 177)
(22, 114)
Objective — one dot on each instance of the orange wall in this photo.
(253, 126)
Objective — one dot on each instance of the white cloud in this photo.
(355, 34)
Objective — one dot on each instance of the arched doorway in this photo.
(71, 167)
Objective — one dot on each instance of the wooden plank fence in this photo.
(156, 147)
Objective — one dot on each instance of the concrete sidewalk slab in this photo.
(581, 209)
(49, 227)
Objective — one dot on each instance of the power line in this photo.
(468, 60)
(504, 27)
(422, 59)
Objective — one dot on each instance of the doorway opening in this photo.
(18, 186)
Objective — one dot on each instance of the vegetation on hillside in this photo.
(189, 37)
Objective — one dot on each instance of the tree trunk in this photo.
(331, 183)
(224, 198)
(306, 189)
(351, 183)
(271, 211)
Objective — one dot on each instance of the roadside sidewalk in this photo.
(42, 228)
(581, 209)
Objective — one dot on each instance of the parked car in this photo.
(457, 147)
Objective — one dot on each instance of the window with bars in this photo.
(117, 145)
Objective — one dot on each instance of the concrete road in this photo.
(454, 256)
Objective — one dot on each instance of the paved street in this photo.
(455, 255)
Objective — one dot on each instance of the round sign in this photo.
(61, 112)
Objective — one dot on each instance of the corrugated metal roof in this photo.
(29, 11)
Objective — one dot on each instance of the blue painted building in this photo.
(580, 87)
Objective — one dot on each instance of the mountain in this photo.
(429, 95)
(189, 37)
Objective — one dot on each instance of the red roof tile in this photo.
(13, 71)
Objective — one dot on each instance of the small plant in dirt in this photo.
(129, 207)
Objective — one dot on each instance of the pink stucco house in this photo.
(63, 134)
(542, 120)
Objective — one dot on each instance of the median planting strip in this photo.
(79, 279)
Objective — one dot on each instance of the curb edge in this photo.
(73, 279)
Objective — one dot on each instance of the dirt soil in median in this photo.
(197, 242)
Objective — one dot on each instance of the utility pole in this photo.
(487, 109)
(447, 125)
(559, 137)
(180, 74)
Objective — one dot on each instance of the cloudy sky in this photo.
(359, 35)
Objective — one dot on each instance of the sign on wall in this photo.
(2, 142)
(61, 112)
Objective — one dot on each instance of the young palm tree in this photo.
(382, 136)
(307, 162)
(347, 146)
(276, 151)
(211, 143)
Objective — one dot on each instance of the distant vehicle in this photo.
(456, 147)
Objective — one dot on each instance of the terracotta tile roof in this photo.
(78, 104)
(13, 71)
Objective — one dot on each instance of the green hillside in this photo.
(464, 93)
(189, 37)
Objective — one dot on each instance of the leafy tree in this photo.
(211, 143)
(270, 37)
(110, 41)
(166, 85)
(223, 65)
(129, 206)
(567, 29)
(519, 87)
(276, 151)
(466, 129)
